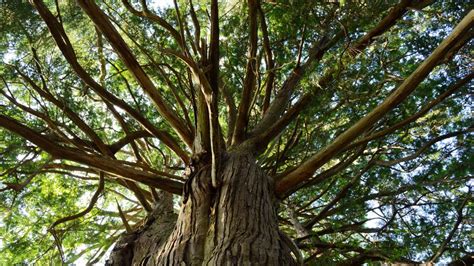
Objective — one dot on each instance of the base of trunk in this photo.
(235, 224)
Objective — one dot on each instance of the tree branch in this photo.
(114, 167)
(316, 52)
(66, 48)
(250, 75)
(452, 89)
(146, 13)
(306, 170)
(270, 64)
(424, 147)
(122, 49)
(94, 199)
(442, 247)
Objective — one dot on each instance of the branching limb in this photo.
(19, 186)
(325, 175)
(146, 13)
(197, 28)
(305, 170)
(270, 63)
(250, 75)
(105, 26)
(81, 124)
(452, 89)
(342, 193)
(67, 50)
(316, 52)
(114, 167)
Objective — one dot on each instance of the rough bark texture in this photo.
(235, 224)
(136, 248)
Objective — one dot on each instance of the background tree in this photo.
(288, 131)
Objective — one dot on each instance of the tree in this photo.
(285, 131)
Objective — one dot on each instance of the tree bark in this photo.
(235, 224)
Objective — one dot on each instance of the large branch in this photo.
(129, 138)
(260, 141)
(279, 103)
(453, 88)
(306, 170)
(114, 167)
(105, 26)
(270, 63)
(81, 124)
(250, 76)
(316, 52)
(387, 22)
(67, 50)
(213, 110)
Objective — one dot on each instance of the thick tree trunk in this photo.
(235, 224)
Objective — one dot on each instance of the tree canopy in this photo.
(360, 111)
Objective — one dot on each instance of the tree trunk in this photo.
(235, 224)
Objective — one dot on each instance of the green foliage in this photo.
(405, 210)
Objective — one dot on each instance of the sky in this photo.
(160, 3)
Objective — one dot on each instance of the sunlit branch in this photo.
(450, 91)
(305, 170)
(316, 52)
